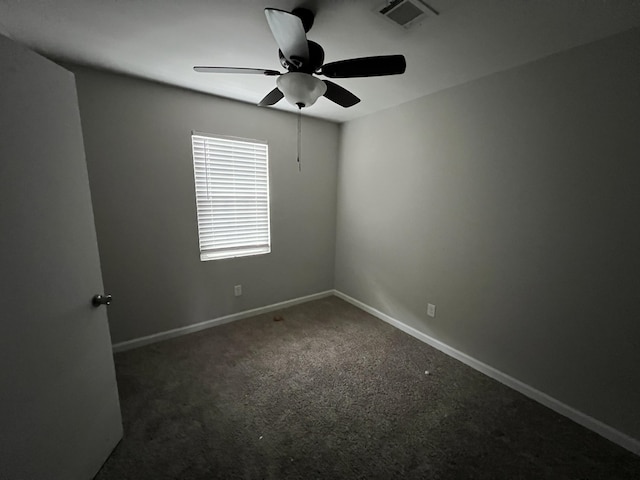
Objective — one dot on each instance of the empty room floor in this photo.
(324, 390)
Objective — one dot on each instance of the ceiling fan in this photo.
(304, 58)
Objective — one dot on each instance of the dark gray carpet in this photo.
(330, 392)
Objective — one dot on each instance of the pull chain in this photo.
(299, 136)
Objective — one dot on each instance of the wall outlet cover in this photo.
(431, 310)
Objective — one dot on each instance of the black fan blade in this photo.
(260, 71)
(339, 95)
(289, 33)
(366, 67)
(273, 97)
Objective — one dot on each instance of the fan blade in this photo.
(273, 97)
(289, 33)
(339, 95)
(366, 67)
(260, 71)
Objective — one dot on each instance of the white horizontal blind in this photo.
(232, 196)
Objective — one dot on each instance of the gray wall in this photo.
(138, 145)
(510, 202)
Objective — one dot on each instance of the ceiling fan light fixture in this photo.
(301, 89)
(303, 58)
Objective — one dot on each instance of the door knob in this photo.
(98, 300)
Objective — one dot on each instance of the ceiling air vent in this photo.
(406, 13)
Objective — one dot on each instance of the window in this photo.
(232, 196)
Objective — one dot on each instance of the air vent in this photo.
(406, 13)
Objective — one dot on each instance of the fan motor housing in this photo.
(316, 59)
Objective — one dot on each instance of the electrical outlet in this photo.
(431, 310)
(237, 290)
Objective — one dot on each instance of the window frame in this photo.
(206, 215)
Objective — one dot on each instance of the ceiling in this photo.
(163, 39)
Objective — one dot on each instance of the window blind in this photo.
(232, 196)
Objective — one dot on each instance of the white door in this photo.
(59, 411)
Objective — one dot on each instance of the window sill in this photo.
(245, 252)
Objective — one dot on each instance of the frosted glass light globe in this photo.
(301, 89)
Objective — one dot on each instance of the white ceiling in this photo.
(163, 39)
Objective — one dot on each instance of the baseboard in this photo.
(606, 431)
(196, 327)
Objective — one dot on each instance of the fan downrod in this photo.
(316, 52)
(306, 16)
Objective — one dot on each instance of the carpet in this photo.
(330, 392)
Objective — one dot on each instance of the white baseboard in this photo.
(196, 327)
(608, 432)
